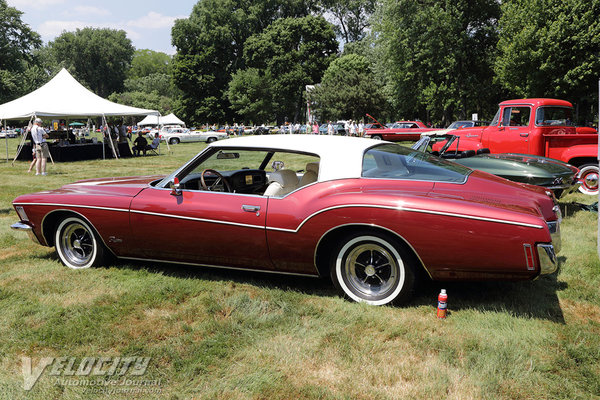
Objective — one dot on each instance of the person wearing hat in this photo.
(39, 136)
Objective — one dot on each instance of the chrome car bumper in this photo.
(547, 257)
(20, 226)
(554, 227)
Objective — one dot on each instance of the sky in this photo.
(148, 23)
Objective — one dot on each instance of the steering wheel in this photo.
(220, 179)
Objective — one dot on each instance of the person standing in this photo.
(361, 129)
(352, 128)
(329, 128)
(39, 136)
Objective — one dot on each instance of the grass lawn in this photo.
(235, 335)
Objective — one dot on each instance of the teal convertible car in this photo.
(555, 175)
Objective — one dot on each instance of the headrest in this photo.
(312, 166)
(285, 177)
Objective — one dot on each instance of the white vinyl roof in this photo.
(63, 96)
(340, 156)
(170, 119)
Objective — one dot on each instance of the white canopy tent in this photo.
(63, 96)
(170, 119)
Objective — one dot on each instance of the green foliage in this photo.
(99, 58)
(159, 83)
(438, 56)
(295, 52)
(549, 48)
(250, 95)
(348, 90)
(147, 62)
(144, 99)
(17, 43)
(210, 48)
(351, 17)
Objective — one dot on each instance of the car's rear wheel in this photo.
(376, 137)
(211, 139)
(588, 174)
(173, 141)
(372, 268)
(77, 245)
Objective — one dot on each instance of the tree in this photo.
(348, 90)
(17, 43)
(250, 95)
(160, 83)
(210, 49)
(294, 52)
(99, 58)
(146, 62)
(351, 17)
(550, 49)
(438, 56)
(148, 100)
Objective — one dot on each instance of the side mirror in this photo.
(175, 187)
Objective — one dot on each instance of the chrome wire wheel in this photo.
(371, 268)
(76, 244)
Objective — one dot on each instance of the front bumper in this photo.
(20, 226)
(548, 259)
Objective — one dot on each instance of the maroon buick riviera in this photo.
(372, 215)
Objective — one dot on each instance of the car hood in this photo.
(518, 164)
(127, 186)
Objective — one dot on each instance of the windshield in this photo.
(552, 116)
(461, 124)
(391, 161)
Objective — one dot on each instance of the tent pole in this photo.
(6, 137)
(20, 147)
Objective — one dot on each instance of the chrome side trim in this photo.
(400, 208)
(548, 260)
(219, 266)
(213, 221)
(72, 205)
(372, 226)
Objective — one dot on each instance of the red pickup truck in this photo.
(542, 127)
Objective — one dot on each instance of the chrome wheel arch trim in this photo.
(370, 225)
(83, 217)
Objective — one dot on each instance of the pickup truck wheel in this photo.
(173, 140)
(77, 244)
(588, 174)
(376, 137)
(371, 268)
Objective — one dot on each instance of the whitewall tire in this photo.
(77, 245)
(371, 268)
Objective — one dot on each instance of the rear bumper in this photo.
(20, 226)
(548, 259)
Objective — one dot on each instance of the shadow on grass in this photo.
(526, 299)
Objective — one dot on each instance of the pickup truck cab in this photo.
(542, 127)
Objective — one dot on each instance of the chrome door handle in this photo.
(251, 209)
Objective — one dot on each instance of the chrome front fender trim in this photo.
(20, 226)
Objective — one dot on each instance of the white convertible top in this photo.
(340, 156)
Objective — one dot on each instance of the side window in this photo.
(516, 116)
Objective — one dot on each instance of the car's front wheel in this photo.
(372, 268)
(588, 174)
(211, 139)
(173, 141)
(77, 245)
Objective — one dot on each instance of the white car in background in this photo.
(178, 135)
